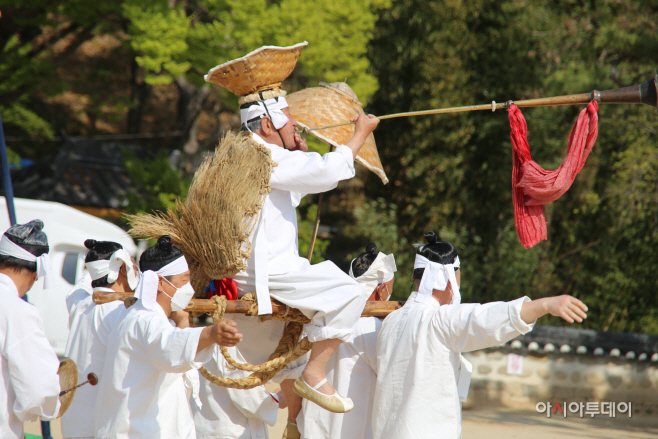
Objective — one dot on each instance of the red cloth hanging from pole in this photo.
(532, 185)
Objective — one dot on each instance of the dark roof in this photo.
(84, 172)
(547, 339)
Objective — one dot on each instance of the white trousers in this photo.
(323, 292)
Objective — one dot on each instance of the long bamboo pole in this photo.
(645, 93)
(372, 309)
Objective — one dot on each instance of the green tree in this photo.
(37, 38)
(136, 45)
(156, 184)
(452, 173)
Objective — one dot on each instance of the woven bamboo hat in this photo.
(333, 103)
(263, 69)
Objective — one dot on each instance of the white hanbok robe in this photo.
(418, 362)
(232, 413)
(28, 365)
(90, 328)
(324, 293)
(142, 394)
(352, 371)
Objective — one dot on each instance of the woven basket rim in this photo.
(338, 90)
(307, 107)
(225, 68)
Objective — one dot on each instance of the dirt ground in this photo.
(511, 424)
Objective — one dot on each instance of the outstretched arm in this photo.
(311, 173)
(468, 327)
(567, 307)
(365, 124)
(224, 333)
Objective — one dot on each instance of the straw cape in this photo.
(333, 103)
(212, 227)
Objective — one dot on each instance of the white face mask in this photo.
(181, 297)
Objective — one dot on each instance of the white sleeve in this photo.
(81, 290)
(172, 349)
(32, 366)
(471, 326)
(365, 340)
(370, 349)
(74, 298)
(107, 317)
(309, 172)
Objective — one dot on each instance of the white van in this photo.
(67, 228)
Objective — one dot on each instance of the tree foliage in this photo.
(168, 39)
(452, 173)
(156, 184)
(115, 67)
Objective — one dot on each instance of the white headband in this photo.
(147, 288)
(111, 267)
(436, 277)
(380, 271)
(10, 248)
(274, 106)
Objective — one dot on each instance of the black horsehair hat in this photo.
(29, 236)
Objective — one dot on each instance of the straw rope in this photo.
(290, 348)
(272, 93)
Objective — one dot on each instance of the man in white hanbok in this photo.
(29, 383)
(225, 413)
(352, 370)
(142, 393)
(331, 299)
(111, 269)
(419, 345)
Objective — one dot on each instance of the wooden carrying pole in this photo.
(645, 94)
(372, 309)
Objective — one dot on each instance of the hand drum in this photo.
(68, 379)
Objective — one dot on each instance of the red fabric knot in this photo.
(224, 287)
(532, 185)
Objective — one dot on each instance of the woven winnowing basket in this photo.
(330, 104)
(212, 226)
(262, 69)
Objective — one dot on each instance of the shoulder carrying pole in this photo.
(372, 309)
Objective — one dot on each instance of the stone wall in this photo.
(561, 377)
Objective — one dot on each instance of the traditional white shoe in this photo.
(291, 431)
(334, 403)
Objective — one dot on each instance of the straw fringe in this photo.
(212, 227)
